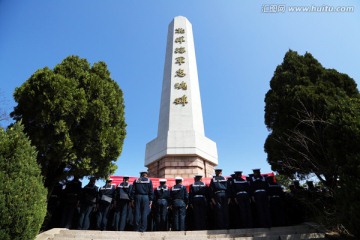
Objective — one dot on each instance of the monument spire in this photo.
(181, 147)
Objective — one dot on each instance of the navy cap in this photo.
(218, 170)
(256, 170)
(198, 176)
(178, 178)
(238, 172)
(144, 172)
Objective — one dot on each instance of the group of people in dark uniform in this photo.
(235, 202)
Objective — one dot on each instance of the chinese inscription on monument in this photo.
(180, 72)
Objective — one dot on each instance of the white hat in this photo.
(162, 180)
(178, 178)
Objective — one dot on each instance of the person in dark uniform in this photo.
(234, 222)
(179, 199)
(276, 201)
(88, 200)
(142, 195)
(198, 201)
(122, 203)
(162, 198)
(240, 190)
(219, 199)
(259, 189)
(71, 195)
(106, 197)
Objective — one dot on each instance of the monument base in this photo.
(183, 166)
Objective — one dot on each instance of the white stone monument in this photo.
(181, 147)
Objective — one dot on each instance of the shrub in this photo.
(22, 193)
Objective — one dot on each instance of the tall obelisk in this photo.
(181, 148)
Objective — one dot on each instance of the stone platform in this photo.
(184, 166)
(304, 231)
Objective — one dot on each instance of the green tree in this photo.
(22, 193)
(304, 115)
(348, 191)
(74, 115)
(283, 180)
(313, 115)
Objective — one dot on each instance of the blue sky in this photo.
(237, 47)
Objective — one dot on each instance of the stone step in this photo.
(168, 235)
(282, 237)
(173, 238)
(298, 232)
(198, 237)
(168, 238)
(302, 236)
(243, 232)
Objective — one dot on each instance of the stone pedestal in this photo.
(184, 166)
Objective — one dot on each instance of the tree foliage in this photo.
(313, 115)
(74, 115)
(22, 193)
(308, 109)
